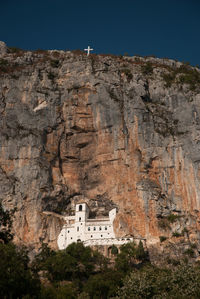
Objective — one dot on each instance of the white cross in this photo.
(88, 50)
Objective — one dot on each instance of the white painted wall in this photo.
(88, 231)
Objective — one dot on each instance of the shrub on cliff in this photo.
(54, 63)
(147, 69)
(5, 225)
(185, 74)
(4, 65)
(128, 73)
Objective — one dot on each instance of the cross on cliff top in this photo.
(88, 50)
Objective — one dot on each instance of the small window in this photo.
(68, 231)
(88, 228)
(101, 236)
(94, 228)
(71, 238)
(91, 236)
(77, 228)
(99, 227)
(79, 218)
(105, 227)
(80, 207)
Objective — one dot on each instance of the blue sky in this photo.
(165, 28)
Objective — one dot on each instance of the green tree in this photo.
(66, 291)
(5, 225)
(75, 263)
(140, 252)
(129, 255)
(103, 285)
(182, 282)
(16, 279)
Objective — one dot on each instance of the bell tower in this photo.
(82, 212)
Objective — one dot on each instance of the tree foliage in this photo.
(129, 256)
(152, 282)
(16, 278)
(80, 272)
(5, 225)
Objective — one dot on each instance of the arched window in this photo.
(99, 227)
(79, 240)
(105, 227)
(80, 207)
(94, 228)
(88, 228)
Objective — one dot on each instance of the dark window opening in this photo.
(79, 218)
(88, 228)
(100, 228)
(105, 227)
(94, 228)
(80, 208)
(77, 229)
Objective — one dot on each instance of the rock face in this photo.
(102, 129)
(3, 48)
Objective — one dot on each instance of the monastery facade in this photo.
(92, 232)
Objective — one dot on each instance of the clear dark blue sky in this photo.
(165, 28)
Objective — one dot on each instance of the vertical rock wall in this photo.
(100, 129)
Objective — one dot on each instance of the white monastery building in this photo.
(80, 228)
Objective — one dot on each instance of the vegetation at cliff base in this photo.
(80, 272)
(83, 273)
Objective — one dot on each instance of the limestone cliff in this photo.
(115, 131)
